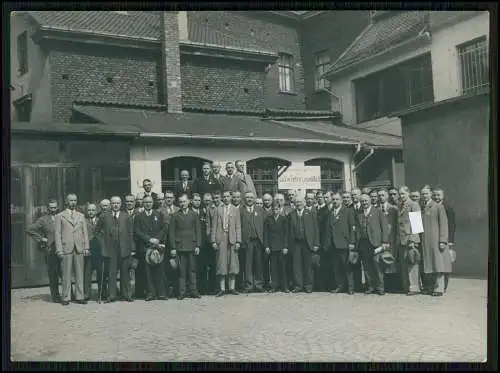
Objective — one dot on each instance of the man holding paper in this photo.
(409, 226)
(435, 252)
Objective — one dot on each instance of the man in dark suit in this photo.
(393, 196)
(217, 177)
(304, 241)
(267, 210)
(117, 233)
(185, 241)
(206, 183)
(207, 252)
(276, 246)
(139, 275)
(42, 231)
(147, 185)
(201, 270)
(356, 200)
(372, 234)
(324, 279)
(94, 261)
(374, 198)
(150, 233)
(339, 239)
(438, 197)
(391, 214)
(184, 186)
(347, 200)
(252, 227)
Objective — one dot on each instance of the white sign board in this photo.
(416, 222)
(300, 177)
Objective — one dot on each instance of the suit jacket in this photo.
(202, 186)
(311, 230)
(287, 210)
(147, 227)
(376, 226)
(168, 213)
(43, 228)
(219, 182)
(450, 214)
(246, 184)
(233, 226)
(248, 221)
(404, 234)
(340, 229)
(70, 233)
(105, 228)
(276, 232)
(391, 216)
(232, 184)
(267, 212)
(208, 216)
(185, 231)
(179, 190)
(94, 241)
(132, 219)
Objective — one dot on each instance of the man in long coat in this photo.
(246, 184)
(438, 197)
(407, 242)
(226, 239)
(391, 214)
(435, 252)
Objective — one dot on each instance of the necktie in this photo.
(52, 217)
(116, 215)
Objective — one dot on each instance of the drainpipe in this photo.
(372, 150)
(354, 180)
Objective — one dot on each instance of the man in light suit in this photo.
(304, 241)
(72, 243)
(246, 184)
(225, 236)
(372, 233)
(42, 231)
(117, 232)
(231, 181)
(406, 241)
(252, 238)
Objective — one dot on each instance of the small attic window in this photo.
(124, 12)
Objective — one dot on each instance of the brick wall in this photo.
(82, 72)
(256, 30)
(332, 31)
(448, 147)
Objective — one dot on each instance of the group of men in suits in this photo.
(220, 233)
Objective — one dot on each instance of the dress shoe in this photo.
(56, 299)
(273, 290)
(163, 297)
(437, 294)
(220, 294)
(350, 292)
(110, 300)
(196, 295)
(233, 292)
(82, 301)
(369, 291)
(149, 298)
(380, 292)
(286, 291)
(245, 291)
(309, 291)
(87, 298)
(336, 291)
(65, 302)
(410, 293)
(296, 290)
(180, 297)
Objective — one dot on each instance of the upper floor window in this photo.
(285, 70)
(474, 65)
(22, 53)
(396, 88)
(322, 61)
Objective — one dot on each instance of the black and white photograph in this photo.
(249, 185)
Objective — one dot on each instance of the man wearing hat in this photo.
(151, 237)
(117, 235)
(408, 253)
(185, 236)
(435, 252)
(303, 240)
(339, 239)
(372, 234)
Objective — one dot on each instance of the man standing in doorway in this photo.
(206, 183)
(42, 231)
(184, 186)
(246, 184)
(231, 180)
(72, 243)
(147, 185)
(217, 177)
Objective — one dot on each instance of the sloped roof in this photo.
(350, 133)
(380, 35)
(132, 24)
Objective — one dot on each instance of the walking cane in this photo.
(102, 282)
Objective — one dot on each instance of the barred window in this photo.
(474, 65)
(285, 70)
(322, 61)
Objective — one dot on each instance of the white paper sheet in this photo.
(416, 222)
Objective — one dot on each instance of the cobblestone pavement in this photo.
(256, 327)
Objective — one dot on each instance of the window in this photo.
(474, 65)
(322, 61)
(396, 88)
(285, 70)
(22, 53)
(23, 109)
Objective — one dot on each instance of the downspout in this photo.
(354, 180)
(372, 150)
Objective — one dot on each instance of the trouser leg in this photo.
(183, 269)
(338, 266)
(257, 265)
(87, 276)
(307, 270)
(125, 277)
(275, 269)
(111, 269)
(53, 270)
(439, 281)
(193, 288)
(379, 269)
(67, 264)
(283, 271)
(446, 280)
(297, 266)
(150, 279)
(78, 266)
(249, 259)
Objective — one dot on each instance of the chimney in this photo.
(170, 84)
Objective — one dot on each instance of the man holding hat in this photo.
(185, 236)
(151, 236)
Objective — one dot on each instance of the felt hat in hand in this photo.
(315, 260)
(353, 257)
(387, 258)
(154, 256)
(413, 256)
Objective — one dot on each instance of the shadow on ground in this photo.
(43, 297)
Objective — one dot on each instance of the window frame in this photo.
(320, 67)
(285, 63)
(477, 55)
(22, 53)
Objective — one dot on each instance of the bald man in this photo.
(117, 232)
